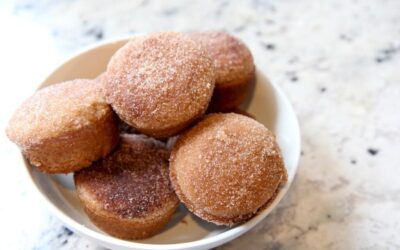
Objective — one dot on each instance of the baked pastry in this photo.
(160, 83)
(122, 126)
(129, 194)
(64, 127)
(234, 68)
(226, 168)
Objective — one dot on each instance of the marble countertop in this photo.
(337, 61)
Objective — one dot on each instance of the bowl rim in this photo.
(210, 241)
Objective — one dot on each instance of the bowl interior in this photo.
(267, 104)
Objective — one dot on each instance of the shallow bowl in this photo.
(185, 231)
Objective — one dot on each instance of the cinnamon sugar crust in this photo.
(131, 187)
(65, 126)
(226, 168)
(160, 83)
(234, 68)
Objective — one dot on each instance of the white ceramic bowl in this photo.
(185, 231)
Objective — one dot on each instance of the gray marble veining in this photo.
(338, 62)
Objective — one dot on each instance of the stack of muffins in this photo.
(156, 129)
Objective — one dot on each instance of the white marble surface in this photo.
(338, 62)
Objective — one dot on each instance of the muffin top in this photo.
(160, 81)
(232, 59)
(226, 166)
(133, 181)
(57, 110)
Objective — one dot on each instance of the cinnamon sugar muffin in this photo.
(64, 127)
(160, 83)
(234, 68)
(129, 194)
(227, 168)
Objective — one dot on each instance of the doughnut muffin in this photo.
(227, 168)
(123, 127)
(129, 194)
(160, 83)
(64, 127)
(234, 68)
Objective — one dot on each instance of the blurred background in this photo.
(337, 61)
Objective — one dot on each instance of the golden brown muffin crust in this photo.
(50, 112)
(133, 181)
(129, 194)
(226, 168)
(160, 83)
(234, 68)
(76, 149)
(232, 59)
(65, 127)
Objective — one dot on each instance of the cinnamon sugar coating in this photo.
(64, 127)
(131, 187)
(226, 168)
(160, 83)
(234, 68)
